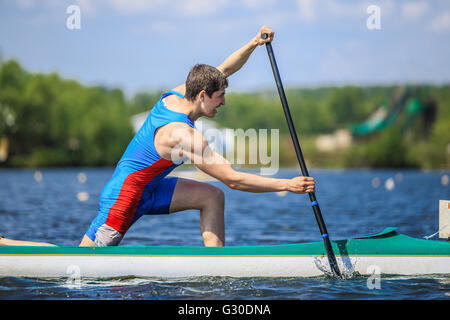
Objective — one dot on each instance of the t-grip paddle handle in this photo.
(315, 205)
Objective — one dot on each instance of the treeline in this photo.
(50, 121)
(418, 142)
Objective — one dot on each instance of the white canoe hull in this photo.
(169, 267)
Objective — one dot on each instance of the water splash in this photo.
(346, 266)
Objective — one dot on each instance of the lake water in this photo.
(57, 206)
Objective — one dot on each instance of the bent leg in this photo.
(86, 242)
(190, 194)
(10, 242)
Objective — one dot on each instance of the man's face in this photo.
(211, 105)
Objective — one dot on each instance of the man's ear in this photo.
(201, 95)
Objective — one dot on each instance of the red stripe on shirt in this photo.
(122, 211)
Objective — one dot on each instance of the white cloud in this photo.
(200, 7)
(441, 23)
(181, 7)
(356, 10)
(414, 10)
(87, 7)
(342, 9)
(25, 4)
(30, 4)
(136, 6)
(307, 10)
(258, 4)
(160, 27)
(314, 11)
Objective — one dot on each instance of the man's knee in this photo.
(219, 195)
(214, 196)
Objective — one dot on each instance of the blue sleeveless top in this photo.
(140, 168)
(141, 151)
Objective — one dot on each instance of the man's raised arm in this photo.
(237, 59)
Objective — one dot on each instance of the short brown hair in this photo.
(204, 77)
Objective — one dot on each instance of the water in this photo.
(57, 206)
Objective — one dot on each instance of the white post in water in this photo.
(444, 219)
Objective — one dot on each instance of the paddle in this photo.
(315, 205)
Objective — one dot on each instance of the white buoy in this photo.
(82, 178)
(38, 176)
(389, 184)
(444, 180)
(83, 196)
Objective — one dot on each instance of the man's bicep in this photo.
(188, 143)
(196, 150)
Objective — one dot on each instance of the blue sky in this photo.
(141, 45)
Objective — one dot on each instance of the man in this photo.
(139, 185)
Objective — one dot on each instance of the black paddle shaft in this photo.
(315, 205)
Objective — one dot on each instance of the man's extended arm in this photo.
(191, 145)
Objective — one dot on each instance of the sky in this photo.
(140, 45)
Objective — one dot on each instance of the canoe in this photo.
(387, 252)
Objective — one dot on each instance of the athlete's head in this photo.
(204, 77)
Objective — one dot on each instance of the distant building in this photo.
(339, 140)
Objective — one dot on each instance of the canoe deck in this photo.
(387, 252)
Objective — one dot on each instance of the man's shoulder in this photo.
(177, 125)
(179, 129)
(181, 89)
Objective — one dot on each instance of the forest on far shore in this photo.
(48, 121)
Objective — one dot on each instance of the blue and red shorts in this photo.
(120, 208)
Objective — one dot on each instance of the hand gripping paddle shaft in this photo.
(315, 205)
